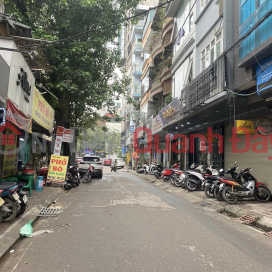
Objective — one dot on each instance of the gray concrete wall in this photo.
(4, 78)
(261, 166)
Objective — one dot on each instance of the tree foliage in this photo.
(83, 74)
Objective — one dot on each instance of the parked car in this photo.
(107, 162)
(120, 163)
(88, 161)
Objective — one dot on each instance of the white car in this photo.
(88, 161)
(120, 163)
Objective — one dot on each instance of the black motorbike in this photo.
(158, 171)
(72, 178)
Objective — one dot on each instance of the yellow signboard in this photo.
(57, 169)
(245, 127)
(42, 112)
(9, 140)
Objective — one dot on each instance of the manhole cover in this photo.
(246, 219)
(49, 212)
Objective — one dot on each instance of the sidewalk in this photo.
(261, 210)
(10, 232)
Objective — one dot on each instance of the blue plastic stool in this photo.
(39, 184)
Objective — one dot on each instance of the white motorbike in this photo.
(150, 168)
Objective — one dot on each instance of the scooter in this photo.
(167, 173)
(11, 199)
(149, 168)
(158, 171)
(235, 188)
(88, 176)
(72, 178)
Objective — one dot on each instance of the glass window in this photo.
(203, 63)
(208, 48)
(91, 159)
(213, 43)
(218, 36)
(247, 7)
(212, 55)
(218, 49)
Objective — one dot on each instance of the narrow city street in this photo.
(122, 223)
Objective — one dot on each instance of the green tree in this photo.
(83, 74)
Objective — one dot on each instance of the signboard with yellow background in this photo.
(42, 112)
(57, 169)
(241, 125)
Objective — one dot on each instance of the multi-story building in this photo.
(132, 54)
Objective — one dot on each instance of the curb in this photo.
(12, 235)
(263, 222)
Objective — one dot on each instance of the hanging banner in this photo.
(68, 136)
(57, 169)
(9, 140)
(16, 117)
(59, 140)
(42, 112)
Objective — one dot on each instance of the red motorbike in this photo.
(167, 173)
(235, 188)
(43, 173)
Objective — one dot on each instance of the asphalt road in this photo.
(122, 223)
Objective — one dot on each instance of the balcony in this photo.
(166, 77)
(156, 87)
(137, 89)
(137, 68)
(156, 47)
(138, 46)
(167, 31)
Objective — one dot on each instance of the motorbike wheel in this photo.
(262, 194)
(165, 179)
(11, 214)
(157, 175)
(208, 191)
(173, 179)
(228, 197)
(21, 208)
(178, 183)
(66, 187)
(218, 194)
(152, 171)
(190, 186)
(145, 172)
(86, 179)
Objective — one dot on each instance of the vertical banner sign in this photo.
(57, 169)
(68, 136)
(9, 162)
(59, 139)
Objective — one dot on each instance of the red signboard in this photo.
(60, 131)
(68, 136)
(17, 118)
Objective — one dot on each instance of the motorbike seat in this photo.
(5, 186)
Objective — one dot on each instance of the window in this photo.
(203, 60)
(212, 51)
(203, 3)
(191, 22)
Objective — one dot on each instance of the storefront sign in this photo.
(17, 118)
(264, 126)
(171, 112)
(59, 140)
(244, 124)
(132, 129)
(57, 169)
(9, 140)
(42, 112)
(68, 136)
(157, 124)
(264, 78)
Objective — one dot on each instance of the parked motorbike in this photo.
(43, 173)
(217, 190)
(149, 168)
(167, 173)
(11, 199)
(158, 171)
(235, 188)
(72, 178)
(140, 169)
(88, 176)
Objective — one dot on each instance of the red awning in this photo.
(18, 118)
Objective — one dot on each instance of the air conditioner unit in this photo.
(221, 8)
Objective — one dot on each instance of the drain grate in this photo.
(269, 234)
(204, 203)
(49, 212)
(246, 219)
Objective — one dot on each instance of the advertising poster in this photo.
(57, 169)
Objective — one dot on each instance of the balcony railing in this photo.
(149, 19)
(140, 24)
(138, 46)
